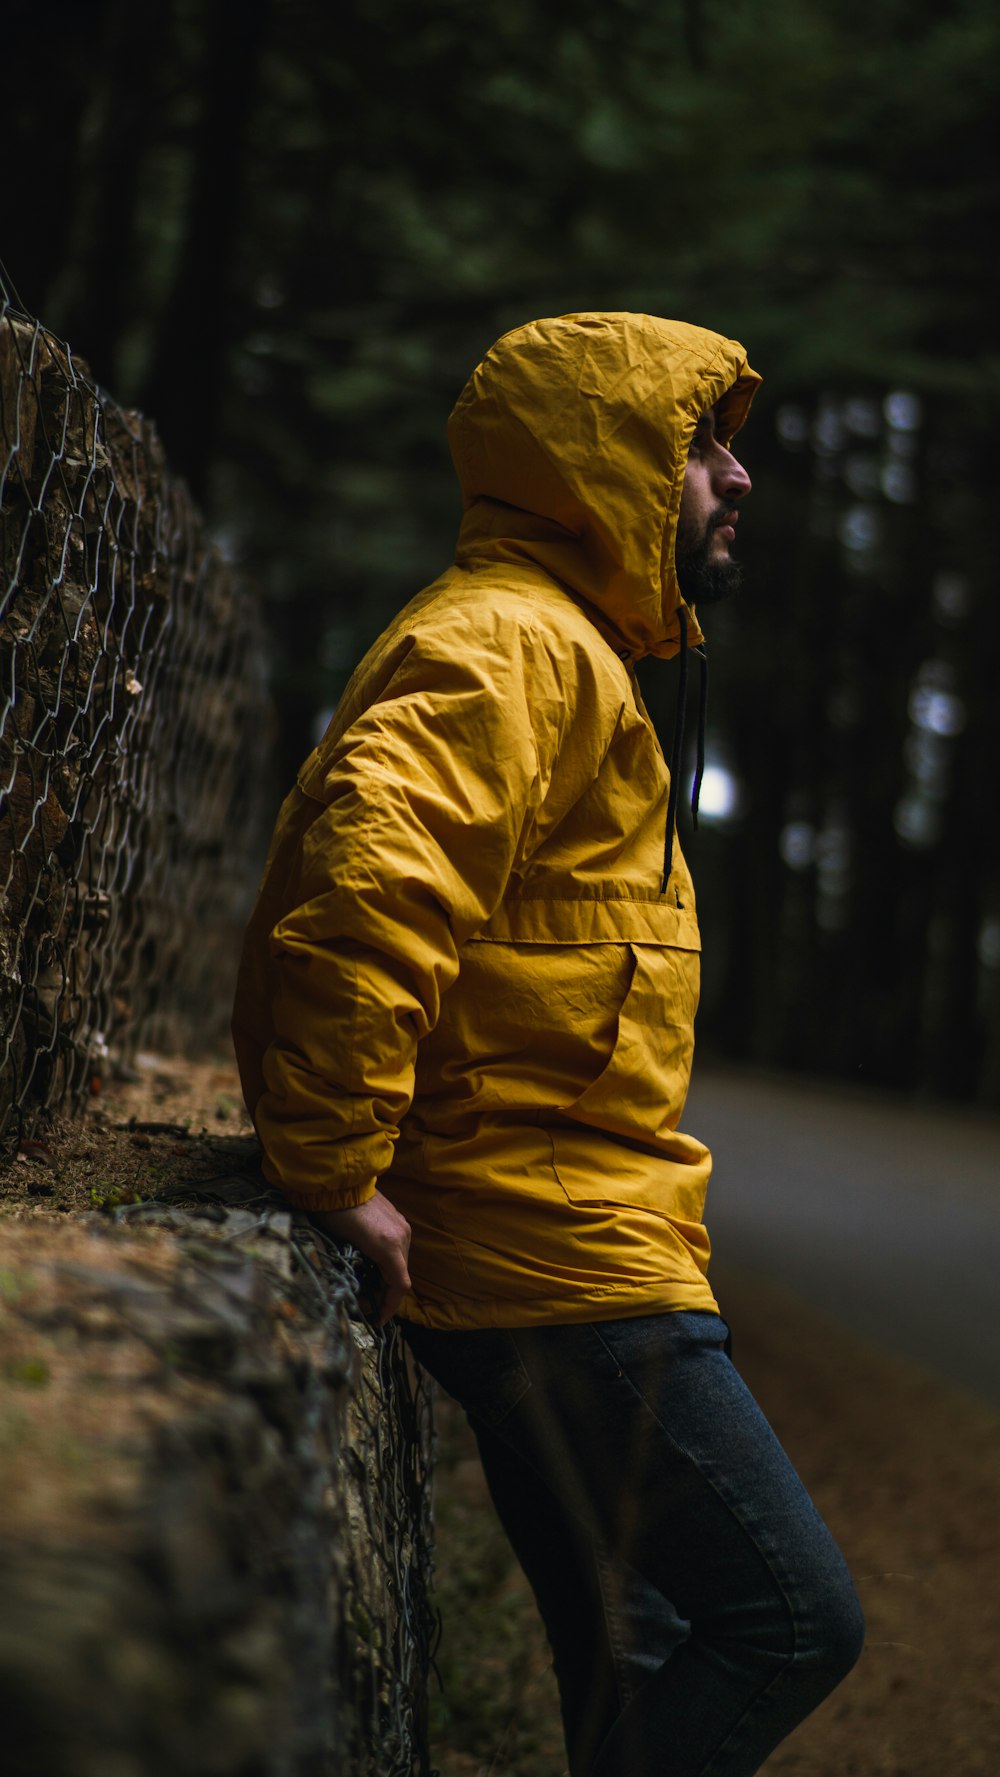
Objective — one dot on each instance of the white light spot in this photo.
(989, 944)
(797, 844)
(828, 429)
(792, 424)
(859, 529)
(720, 794)
(903, 411)
(927, 760)
(899, 484)
(938, 711)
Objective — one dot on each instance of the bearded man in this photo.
(464, 1025)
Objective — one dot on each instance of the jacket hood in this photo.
(570, 441)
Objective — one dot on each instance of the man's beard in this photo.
(703, 578)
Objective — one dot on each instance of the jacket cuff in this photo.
(329, 1200)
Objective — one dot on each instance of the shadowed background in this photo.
(288, 232)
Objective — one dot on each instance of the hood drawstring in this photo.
(677, 744)
(699, 770)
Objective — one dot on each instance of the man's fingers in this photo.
(378, 1230)
(396, 1278)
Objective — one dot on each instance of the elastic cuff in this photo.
(329, 1200)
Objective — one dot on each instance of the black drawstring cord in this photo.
(677, 745)
(699, 770)
(676, 748)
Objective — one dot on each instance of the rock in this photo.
(216, 1555)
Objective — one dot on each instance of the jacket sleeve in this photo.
(424, 807)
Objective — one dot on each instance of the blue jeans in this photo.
(696, 1605)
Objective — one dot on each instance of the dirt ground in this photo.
(170, 1121)
(174, 1123)
(905, 1471)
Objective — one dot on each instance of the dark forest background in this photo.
(287, 231)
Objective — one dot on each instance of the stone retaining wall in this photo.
(135, 735)
(214, 1548)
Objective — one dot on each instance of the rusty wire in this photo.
(134, 738)
(370, 1712)
(387, 1627)
(134, 729)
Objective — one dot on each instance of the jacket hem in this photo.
(605, 1302)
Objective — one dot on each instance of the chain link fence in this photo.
(366, 1644)
(135, 739)
(135, 732)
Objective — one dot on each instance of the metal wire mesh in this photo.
(134, 738)
(369, 1708)
(134, 731)
(387, 1628)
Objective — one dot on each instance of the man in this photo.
(464, 1024)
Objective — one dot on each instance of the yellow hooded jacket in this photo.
(463, 976)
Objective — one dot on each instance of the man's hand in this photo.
(378, 1230)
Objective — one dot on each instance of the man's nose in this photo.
(732, 480)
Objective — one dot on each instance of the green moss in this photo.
(113, 1197)
(13, 1285)
(33, 1372)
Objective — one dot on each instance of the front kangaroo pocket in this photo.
(642, 1088)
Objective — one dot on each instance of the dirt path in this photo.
(904, 1470)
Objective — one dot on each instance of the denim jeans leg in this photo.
(609, 1630)
(646, 1425)
(556, 1552)
(557, 1555)
(741, 1617)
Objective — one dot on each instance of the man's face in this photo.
(714, 482)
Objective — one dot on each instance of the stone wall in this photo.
(214, 1518)
(215, 1539)
(135, 734)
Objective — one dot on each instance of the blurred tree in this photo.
(290, 233)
